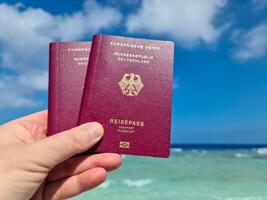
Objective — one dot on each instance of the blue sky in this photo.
(220, 71)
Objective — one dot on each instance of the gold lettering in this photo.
(135, 46)
(78, 49)
(126, 122)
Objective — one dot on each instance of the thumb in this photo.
(57, 148)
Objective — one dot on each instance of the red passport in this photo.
(68, 63)
(128, 89)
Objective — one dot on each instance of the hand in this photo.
(33, 166)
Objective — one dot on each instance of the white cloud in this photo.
(187, 21)
(14, 94)
(18, 101)
(251, 44)
(93, 18)
(36, 80)
(24, 37)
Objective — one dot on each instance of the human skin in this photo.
(34, 166)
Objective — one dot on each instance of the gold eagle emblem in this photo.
(131, 84)
(124, 145)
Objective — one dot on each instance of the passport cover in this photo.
(68, 63)
(128, 89)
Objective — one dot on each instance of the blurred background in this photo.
(219, 113)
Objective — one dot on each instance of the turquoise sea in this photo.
(188, 175)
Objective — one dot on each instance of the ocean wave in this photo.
(106, 184)
(137, 183)
(204, 152)
(177, 150)
(261, 151)
(241, 155)
(199, 151)
(194, 151)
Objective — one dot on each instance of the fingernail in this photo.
(95, 130)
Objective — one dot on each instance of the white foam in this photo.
(137, 183)
(241, 155)
(204, 152)
(262, 151)
(106, 184)
(194, 151)
(177, 150)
